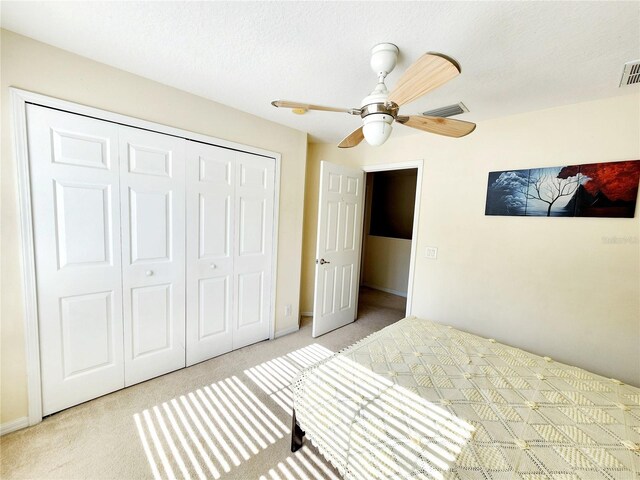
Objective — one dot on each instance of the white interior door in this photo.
(253, 257)
(211, 177)
(338, 247)
(75, 196)
(152, 185)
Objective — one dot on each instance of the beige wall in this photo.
(552, 286)
(37, 67)
(386, 264)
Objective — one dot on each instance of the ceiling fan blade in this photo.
(427, 73)
(308, 106)
(439, 125)
(353, 139)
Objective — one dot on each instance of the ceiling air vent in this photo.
(631, 73)
(448, 111)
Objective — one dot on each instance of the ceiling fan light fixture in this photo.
(377, 128)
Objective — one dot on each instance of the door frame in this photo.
(384, 167)
(19, 100)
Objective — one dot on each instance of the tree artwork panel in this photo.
(549, 195)
(589, 190)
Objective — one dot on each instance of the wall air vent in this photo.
(448, 111)
(631, 73)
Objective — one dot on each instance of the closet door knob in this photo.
(213, 266)
(149, 273)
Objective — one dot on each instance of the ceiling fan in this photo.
(380, 108)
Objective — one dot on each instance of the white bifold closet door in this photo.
(76, 219)
(152, 202)
(151, 252)
(230, 198)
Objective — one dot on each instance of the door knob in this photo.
(213, 266)
(149, 273)
(322, 261)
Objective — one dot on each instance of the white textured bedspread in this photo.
(422, 400)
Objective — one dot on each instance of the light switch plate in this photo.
(431, 252)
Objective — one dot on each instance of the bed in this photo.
(420, 400)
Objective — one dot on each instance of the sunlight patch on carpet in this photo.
(302, 465)
(275, 376)
(207, 432)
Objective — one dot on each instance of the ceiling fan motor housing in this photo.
(377, 104)
(377, 116)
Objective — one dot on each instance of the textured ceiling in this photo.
(515, 56)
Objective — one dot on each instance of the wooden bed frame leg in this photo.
(297, 434)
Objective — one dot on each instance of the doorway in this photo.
(339, 245)
(387, 240)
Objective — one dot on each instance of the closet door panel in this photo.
(83, 223)
(210, 232)
(214, 298)
(252, 225)
(250, 299)
(75, 204)
(214, 224)
(153, 277)
(254, 198)
(151, 228)
(86, 320)
(150, 319)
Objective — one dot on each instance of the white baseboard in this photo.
(14, 425)
(306, 314)
(387, 290)
(287, 331)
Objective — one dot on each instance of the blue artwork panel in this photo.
(507, 192)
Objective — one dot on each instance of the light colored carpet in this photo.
(226, 418)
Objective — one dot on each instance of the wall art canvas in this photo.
(506, 193)
(588, 190)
